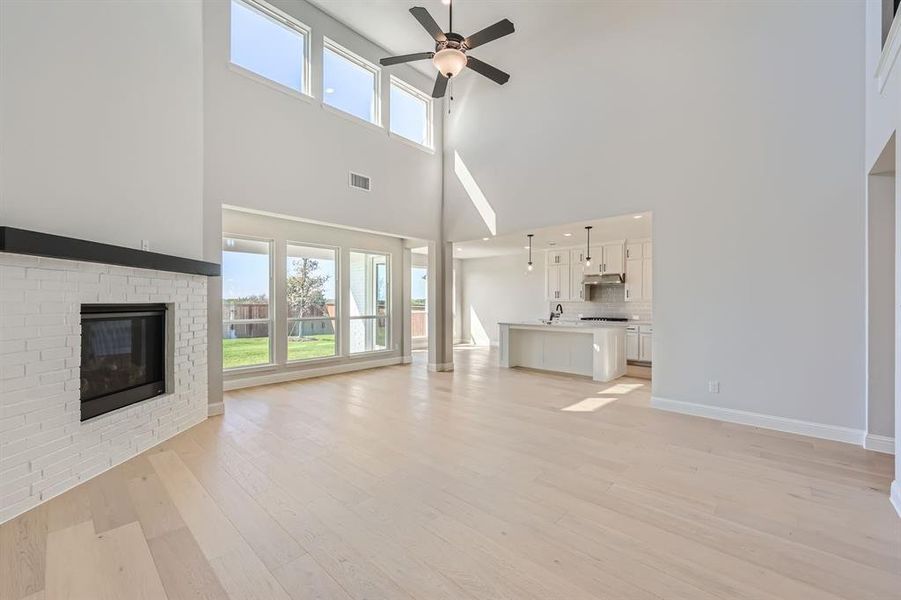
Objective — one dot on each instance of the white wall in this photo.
(499, 289)
(101, 109)
(273, 151)
(741, 126)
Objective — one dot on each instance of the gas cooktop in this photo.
(613, 319)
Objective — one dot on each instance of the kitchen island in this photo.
(595, 350)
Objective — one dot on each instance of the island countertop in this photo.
(575, 326)
(595, 348)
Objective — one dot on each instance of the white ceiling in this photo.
(613, 228)
(389, 24)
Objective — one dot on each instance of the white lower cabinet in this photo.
(645, 338)
(644, 347)
(639, 342)
(632, 351)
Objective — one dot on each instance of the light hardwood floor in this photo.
(484, 483)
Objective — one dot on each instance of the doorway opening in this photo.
(881, 302)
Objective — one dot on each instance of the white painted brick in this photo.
(12, 347)
(65, 286)
(45, 366)
(62, 486)
(10, 423)
(15, 496)
(10, 272)
(21, 284)
(45, 319)
(47, 342)
(11, 371)
(55, 353)
(43, 441)
(18, 333)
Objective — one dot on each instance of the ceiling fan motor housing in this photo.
(450, 54)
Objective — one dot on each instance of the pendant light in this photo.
(529, 265)
(588, 245)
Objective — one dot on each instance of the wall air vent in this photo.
(360, 182)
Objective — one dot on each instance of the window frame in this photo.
(270, 321)
(329, 44)
(389, 304)
(430, 112)
(338, 304)
(285, 20)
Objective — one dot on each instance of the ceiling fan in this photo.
(450, 55)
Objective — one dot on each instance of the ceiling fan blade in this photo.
(440, 86)
(396, 60)
(489, 34)
(492, 73)
(426, 20)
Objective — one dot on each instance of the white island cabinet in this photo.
(598, 351)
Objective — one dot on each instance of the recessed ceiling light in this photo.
(637, 216)
(329, 90)
(525, 247)
(445, 2)
(485, 239)
(567, 235)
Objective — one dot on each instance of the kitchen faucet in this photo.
(558, 312)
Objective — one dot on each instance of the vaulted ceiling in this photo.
(389, 24)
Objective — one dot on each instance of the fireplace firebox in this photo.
(123, 355)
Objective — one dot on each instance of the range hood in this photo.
(607, 279)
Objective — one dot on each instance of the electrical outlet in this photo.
(145, 245)
(713, 387)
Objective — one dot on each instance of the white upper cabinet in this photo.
(638, 271)
(634, 280)
(614, 258)
(646, 279)
(576, 272)
(607, 258)
(558, 257)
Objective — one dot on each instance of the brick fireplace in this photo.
(45, 447)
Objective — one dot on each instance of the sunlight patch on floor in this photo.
(588, 405)
(622, 388)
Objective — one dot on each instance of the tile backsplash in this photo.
(606, 301)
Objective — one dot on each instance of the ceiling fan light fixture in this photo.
(449, 61)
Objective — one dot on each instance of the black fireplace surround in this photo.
(123, 355)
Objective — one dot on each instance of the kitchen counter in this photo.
(596, 349)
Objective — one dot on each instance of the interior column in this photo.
(441, 306)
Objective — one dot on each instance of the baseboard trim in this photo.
(879, 443)
(441, 367)
(215, 409)
(896, 496)
(742, 417)
(298, 374)
(407, 360)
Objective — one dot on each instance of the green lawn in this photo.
(245, 352)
